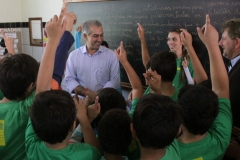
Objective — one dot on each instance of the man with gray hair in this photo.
(92, 66)
(230, 43)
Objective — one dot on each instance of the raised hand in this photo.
(71, 20)
(9, 42)
(79, 28)
(185, 63)
(154, 80)
(121, 53)
(93, 110)
(186, 38)
(141, 33)
(55, 27)
(208, 34)
(81, 106)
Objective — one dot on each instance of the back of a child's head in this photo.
(110, 98)
(114, 132)
(53, 114)
(156, 121)
(17, 73)
(199, 106)
(164, 64)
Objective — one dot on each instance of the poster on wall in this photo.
(15, 33)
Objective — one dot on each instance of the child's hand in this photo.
(79, 28)
(71, 19)
(121, 53)
(93, 110)
(185, 62)
(141, 33)
(56, 27)
(81, 106)
(208, 34)
(9, 42)
(186, 38)
(154, 80)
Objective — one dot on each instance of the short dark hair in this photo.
(17, 72)
(199, 106)
(52, 115)
(114, 132)
(110, 98)
(104, 43)
(164, 64)
(233, 26)
(156, 120)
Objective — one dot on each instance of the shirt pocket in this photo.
(102, 75)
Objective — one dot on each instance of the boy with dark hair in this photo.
(207, 119)
(114, 134)
(53, 125)
(164, 66)
(53, 121)
(155, 124)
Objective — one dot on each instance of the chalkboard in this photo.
(120, 18)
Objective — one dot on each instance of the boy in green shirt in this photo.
(53, 112)
(207, 119)
(147, 120)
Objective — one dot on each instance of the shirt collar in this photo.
(234, 60)
(100, 50)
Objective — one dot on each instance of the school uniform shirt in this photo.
(13, 121)
(177, 79)
(94, 72)
(174, 96)
(214, 145)
(36, 149)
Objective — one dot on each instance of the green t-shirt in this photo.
(37, 149)
(172, 151)
(1, 95)
(174, 96)
(213, 146)
(13, 121)
(176, 81)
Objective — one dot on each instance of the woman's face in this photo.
(174, 42)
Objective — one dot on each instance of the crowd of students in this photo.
(179, 116)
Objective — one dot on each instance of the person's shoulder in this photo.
(172, 151)
(85, 149)
(224, 102)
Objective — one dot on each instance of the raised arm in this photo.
(78, 35)
(88, 133)
(62, 50)
(55, 29)
(134, 80)
(219, 77)
(9, 42)
(199, 72)
(145, 54)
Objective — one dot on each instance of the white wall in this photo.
(11, 10)
(21, 10)
(40, 8)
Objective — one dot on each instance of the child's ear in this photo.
(29, 89)
(133, 130)
(180, 131)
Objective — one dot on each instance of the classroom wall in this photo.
(40, 8)
(11, 11)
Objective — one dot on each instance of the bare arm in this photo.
(199, 72)
(209, 36)
(55, 29)
(132, 76)
(145, 54)
(9, 42)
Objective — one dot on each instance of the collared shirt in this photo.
(233, 62)
(94, 72)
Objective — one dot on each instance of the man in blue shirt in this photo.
(92, 66)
